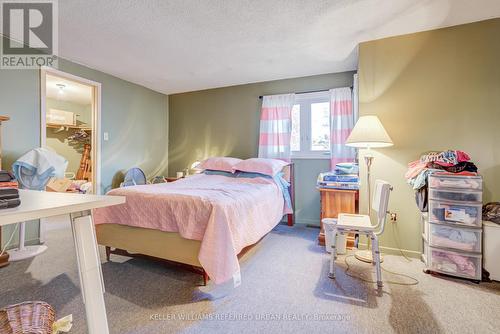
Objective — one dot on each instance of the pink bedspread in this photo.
(226, 214)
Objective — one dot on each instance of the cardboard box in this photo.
(60, 117)
(58, 185)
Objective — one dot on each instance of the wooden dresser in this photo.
(4, 259)
(333, 202)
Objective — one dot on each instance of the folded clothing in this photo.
(445, 158)
(457, 235)
(454, 182)
(9, 194)
(421, 180)
(11, 184)
(448, 243)
(9, 203)
(453, 263)
(344, 176)
(464, 166)
(456, 196)
(331, 177)
(6, 176)
(415, 168)
(456, 213)
(346, 168)
(339, 185)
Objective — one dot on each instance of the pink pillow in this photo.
(261, 165)
(219, 163)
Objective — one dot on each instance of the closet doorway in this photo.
(70, 126)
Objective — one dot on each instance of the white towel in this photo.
(34, 168)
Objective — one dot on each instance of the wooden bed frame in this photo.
(167, 247)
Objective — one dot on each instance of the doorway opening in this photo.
(70, 126)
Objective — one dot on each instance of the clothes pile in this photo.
(344, 176)
(491, 212)
(450, 161)
(9, 194)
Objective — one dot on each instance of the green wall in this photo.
(433, 90)
(225, 122)
(306, 195)
(135, 117)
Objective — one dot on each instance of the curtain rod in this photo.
(311, 91)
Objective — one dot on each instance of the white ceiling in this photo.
(72, 92)
(184, 45)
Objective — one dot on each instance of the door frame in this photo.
(96, 126)
(96, 118)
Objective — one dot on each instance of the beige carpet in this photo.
(285, 289)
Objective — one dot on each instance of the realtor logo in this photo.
(29, 34)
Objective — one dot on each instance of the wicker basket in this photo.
(28, 317)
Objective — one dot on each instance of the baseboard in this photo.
(305, 221)
(395, 251)
(31, 242)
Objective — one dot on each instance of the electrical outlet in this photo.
(394, 216)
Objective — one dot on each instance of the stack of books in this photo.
(9, 194)
(344, 176)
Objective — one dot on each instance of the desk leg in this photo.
(89, 269)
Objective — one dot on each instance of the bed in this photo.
(203, 221)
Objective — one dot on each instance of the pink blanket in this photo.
(226, 214)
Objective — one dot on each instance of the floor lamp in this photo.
(368, 133)
(25, 252)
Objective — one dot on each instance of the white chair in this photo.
(361, 224)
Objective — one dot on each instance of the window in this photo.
(310, 136)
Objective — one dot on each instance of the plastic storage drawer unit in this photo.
(454, 237)
(455, 213)
(425, 253)
(449, 262)
(455, 195)
(439, 180)
(425, 232)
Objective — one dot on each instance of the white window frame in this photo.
(305, 100)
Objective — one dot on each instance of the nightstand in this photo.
(333, 202)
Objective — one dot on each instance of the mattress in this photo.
(225, 213)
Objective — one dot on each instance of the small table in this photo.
(333, 202)
(39, 204)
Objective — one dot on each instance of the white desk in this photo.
(36, 205)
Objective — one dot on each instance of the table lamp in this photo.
(194, 167)
(368, 133)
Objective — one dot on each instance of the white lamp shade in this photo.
(369, 133)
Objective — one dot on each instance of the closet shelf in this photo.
(76, 127)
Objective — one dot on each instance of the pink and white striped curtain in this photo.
(276, 126)
(341, 125)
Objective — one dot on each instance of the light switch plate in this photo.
(106, 136)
